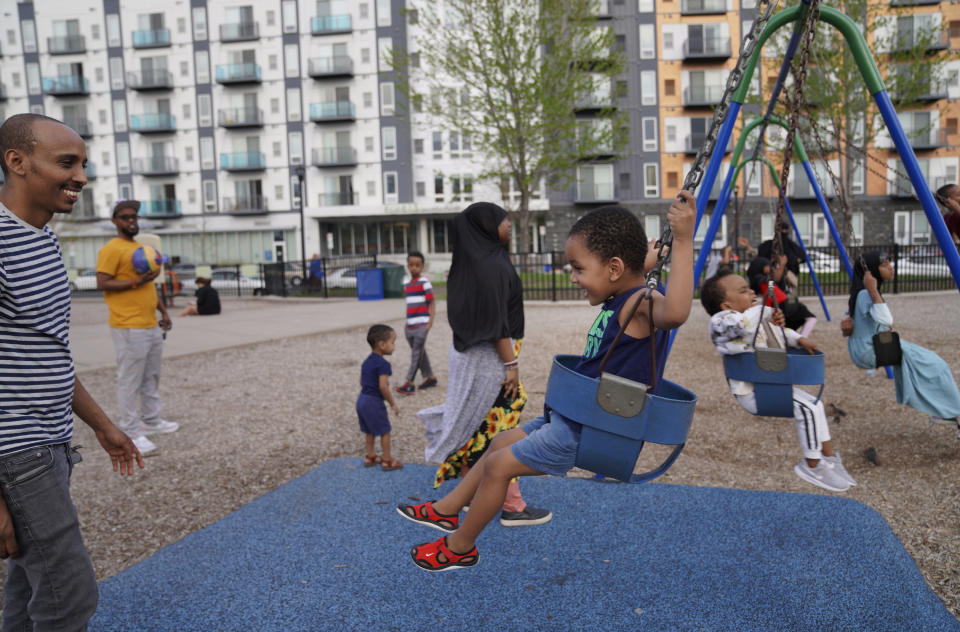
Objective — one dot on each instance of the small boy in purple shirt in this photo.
(374, 389)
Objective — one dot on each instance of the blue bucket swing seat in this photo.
(774, 372)
(619, 415)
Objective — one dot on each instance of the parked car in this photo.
(85, 281)
(293, 273)
(923, 265)
(185, 271)
(225, 279)
(342, 277)
(822, 263)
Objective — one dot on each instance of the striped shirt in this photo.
(36, 368)
(419, 296)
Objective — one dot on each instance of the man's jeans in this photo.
(51, 585)
(139, 357)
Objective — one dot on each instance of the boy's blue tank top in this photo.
(631, 357)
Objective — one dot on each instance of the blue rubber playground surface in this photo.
(328, 551)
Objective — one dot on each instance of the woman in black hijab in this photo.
(795, 313)
(484, 394)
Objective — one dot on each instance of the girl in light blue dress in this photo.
(924, 381)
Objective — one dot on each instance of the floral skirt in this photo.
(504, 415)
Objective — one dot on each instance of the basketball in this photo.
(146, 259)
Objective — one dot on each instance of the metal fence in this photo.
(338, 276)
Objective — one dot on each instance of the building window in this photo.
(126, 191)
(33, 78)
(114, 38)
(289, 9)
(120, 115)
(123, 158)
(105, 158)
(206, 153)
(384, 54)
(199, 23)
(295, 141)
(204, 110)
(102, 115)
(364, 10)
(202, 61)
(291, 60)
(29, 36)
(368, 99)
(418, 145)
(421, 189)
(293, 104)
(440, 235)
(188, 153)
(184, 69)
(438, 190)
(277, 149)
(648, 44)
(672, 180)
(386, 99)
(181, 25)
(645, 6)
(651, 180)
(116, 73)
(389, 143)
(383, 13)
(625, 181)
(438, 144)
(390, 195)
(186, 111)
(271, 17)
(368, 144)
(274, 105)
(649, 133)
(648, 87)
(415, 59)
(669, 87)
(210, 194)
(364, 55)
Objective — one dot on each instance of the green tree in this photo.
(509, 75)
(842, 115)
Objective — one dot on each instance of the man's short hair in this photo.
(122, 204)
(378, 333)
(17, 133)
(712, 295)
(417, 254)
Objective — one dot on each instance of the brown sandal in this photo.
(370, 461)
(392, 464)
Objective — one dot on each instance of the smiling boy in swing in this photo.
(606, 249)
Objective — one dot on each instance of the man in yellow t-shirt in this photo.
(133, 300)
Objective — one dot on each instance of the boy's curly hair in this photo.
(378, 333)
(613, 231)
(711, 294)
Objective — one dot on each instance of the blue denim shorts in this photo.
(550, 445)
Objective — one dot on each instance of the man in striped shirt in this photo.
(51, 583)
(420, 311)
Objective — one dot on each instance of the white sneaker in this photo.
(824, 475)
(161, 426)
(839, 469)
(146, 446)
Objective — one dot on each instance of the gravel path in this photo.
(255, 417)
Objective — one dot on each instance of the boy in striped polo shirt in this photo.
(420, 312)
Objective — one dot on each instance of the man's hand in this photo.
(8, 537)
(777, 318)
(165, 323)
(123, 453)
(846, 327)
(146, 277)
(807, 344)
(682, 216)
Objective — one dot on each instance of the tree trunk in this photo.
(523, 220)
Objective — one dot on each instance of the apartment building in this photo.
(227, 120)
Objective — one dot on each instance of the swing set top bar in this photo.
(847, 27)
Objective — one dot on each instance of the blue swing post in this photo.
(829, 217)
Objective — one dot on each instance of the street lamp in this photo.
(300, 172)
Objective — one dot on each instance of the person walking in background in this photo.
(208, 300)
(421, 309)
(374, 391)
(134, 300)
(51, 583)
(485, 312)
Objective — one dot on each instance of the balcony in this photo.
(926, 139)
(153, 123)
(934, 41)
(932, 90)
(243, 161)
(66, 86)
(343, 156)
(913, 3)
(155, 38)
(83, 127)
(693, 143)
(702, 7)
(238, 73)
(330, 24)
(156, 166)
(330, 67)
(156, 79)
(594, 101)
(332, 112)
(239, 32)
(66, 45)
(237, 118)
(600, 9)
(339, 198)
(160, 209)
(91, 171)
(702, 96)
(590, 193)
(710, 48)
(252, 205)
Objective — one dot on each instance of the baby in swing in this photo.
(607, 252)
(735, 317)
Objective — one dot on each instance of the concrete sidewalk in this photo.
(241, 323)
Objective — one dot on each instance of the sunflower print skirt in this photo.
(504, 415)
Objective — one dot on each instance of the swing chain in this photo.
(692, 180)
(793, 105)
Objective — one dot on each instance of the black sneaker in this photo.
(528, 517)
(430, 382)
(406, 389)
